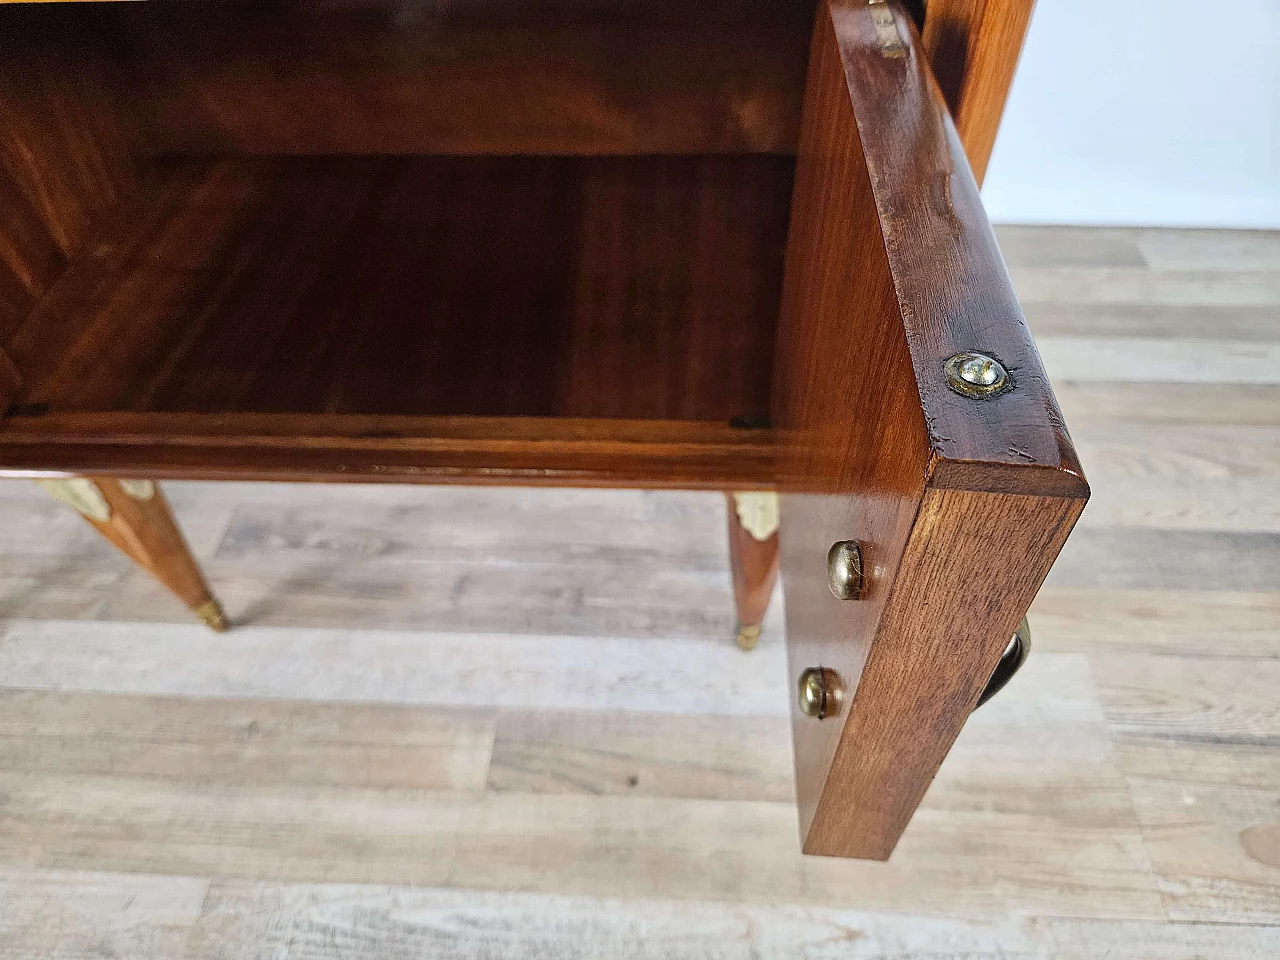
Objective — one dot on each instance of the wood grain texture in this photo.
(63, 160)
(609, 846)
(245, 742)
(144, 530)
(336, 922)
(564, 288)
(10, 381)
(530, 451)
(524, 286)
(888, 224)
(1223, 731)
(1136, 940)
(1029, 815)
(1175, 622)
(1214, 850)
(993, 865)
(83, 915)
(973, 47)
(753, 566)
(419, 80)
(582, 562)
(642, 754)
(1154, 559)
(414, 667)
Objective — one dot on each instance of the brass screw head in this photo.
(821, 693)
(844, 570)
(975, 374)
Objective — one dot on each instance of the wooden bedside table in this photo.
(711, 245)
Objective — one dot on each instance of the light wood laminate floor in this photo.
(479, 723)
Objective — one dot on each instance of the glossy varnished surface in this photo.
(404, 77)
(63, 161)
(206, 79)
(392, 449)
(640, 289)
(893, 268)
(949, 277)
(973, 46)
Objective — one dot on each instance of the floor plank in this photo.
(1244, 626)
(964, 861)
(643, 754)
(1089, 405)
(1215, 850)
(1160, 359)
(1136, 940)
(1196, 720)
(326, 922)
(1119, 284)
(1030, 802)
(245, 742)
(396, 667)
(1137, 558)
(1144, 321)
(76, 915)
(1025, 246)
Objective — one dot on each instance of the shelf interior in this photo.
(625, 287)
(499, 223)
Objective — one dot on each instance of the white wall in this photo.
(1144, 112)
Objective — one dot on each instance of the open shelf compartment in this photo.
(304, 237)
(405, 290)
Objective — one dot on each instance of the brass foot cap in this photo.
(211, 614)
(748, 635)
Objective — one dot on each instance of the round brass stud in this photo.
(844, 570)
(821, 693)
(975, 374)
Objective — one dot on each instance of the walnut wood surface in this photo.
(893, 268)
(973, 46)
(642, 288)
(63, 162)
(145, 531)
(391, 449)
(10, 380)
(753, 566)
(410, 78)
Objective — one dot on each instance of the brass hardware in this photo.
(758, 513)
(82, 494)
(844, 570)
(211, 613)
(748, 635)
(887, 35)
(977, 375)
(1011, 661)
(821, 693)
(138, 489)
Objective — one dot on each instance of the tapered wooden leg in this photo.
(753, 558)
(134, 515)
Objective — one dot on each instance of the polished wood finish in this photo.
(390, 449)
(563, 264)
(10, 381)
(753, 567)
(892, 269)
(206, 78)
(141, 525)
(613, 287)
(63, 161)
(639, 289)
(973, 46)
